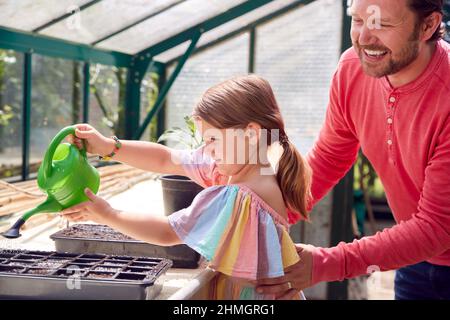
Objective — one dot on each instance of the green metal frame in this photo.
(170, 6)
(136, 73)
(30, 43)
(86, 91)
(26, 114)
(251, 53)
(165, 90)
(64, 16)
(162, 72)
(192, 34)
(25, 42)
(248, 28)
(204, 26)
(341, 216)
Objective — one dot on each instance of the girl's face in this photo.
(232, 149)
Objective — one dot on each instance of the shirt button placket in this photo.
(390, 120)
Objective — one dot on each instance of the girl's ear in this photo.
(253, 130)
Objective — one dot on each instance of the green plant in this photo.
(366, 177)
(187, 137)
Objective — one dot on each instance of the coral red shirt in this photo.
(405, 134)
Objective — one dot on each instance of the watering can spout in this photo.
(50, 205)
(14, 231)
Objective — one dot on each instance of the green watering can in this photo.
(63, 176)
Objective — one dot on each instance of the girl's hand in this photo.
(95, 142)
(96, 209)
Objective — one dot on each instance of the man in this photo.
(390, 96)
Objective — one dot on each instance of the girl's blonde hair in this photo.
(239, 101)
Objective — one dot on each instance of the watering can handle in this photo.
(47, 163)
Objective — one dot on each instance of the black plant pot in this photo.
(178, 192)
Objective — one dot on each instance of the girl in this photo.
(240, 221)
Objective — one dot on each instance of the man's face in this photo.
(385, 35)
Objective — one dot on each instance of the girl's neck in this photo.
(249, 173)
(253, 172)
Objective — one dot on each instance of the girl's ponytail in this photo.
(294, 179)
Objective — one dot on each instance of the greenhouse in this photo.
(135, 70)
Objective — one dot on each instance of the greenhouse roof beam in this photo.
(249, 26)
(153, 14)
(28, 42)
(64, 16)
(204, 26)
(165, 90)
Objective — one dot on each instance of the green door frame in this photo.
(26, 114)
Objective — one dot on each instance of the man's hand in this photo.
(96, 209)
(296, 277)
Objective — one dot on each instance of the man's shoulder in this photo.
(349, 57)
(444, 65)
(446, 46)
(349, 66)
(446, 49)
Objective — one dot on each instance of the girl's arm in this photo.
(148, 156)
(139, 154)
(148, 228)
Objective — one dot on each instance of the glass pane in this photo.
(30, 14)
(201, 72)
(298, 54)
(104, 18)
(11, 72)
(167, 24)
(107, 98)
(56, 102)
(149, 94)
(226, 28)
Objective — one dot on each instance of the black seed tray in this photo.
(52, 275)
(92, 238)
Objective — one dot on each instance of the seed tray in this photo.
(94, 238)
(35, 275)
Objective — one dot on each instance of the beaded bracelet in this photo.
(117, 146)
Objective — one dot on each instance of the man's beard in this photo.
(405, 57)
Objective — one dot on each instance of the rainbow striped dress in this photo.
(241, 236)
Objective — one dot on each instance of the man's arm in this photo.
(425, 235)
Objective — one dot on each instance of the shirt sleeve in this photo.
(425, 235)
(199, 167)
(336, 149)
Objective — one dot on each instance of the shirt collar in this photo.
(423, 78)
